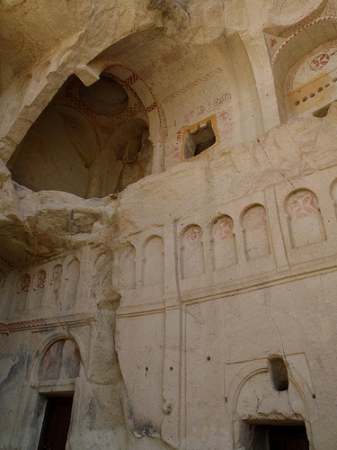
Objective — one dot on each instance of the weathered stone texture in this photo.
(168, 221)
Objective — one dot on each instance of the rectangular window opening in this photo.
(198, 141)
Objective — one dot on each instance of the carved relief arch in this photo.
(126, 269)
(223, 242)
(192, 251)
(153, 260)
(58, 358)
(333, 192)
(253, 399)
(255, 231)
(305, 219)
(305, 69)
(132, 81)
(254, 369)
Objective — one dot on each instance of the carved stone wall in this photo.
(157, 289)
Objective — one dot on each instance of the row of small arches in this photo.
(313, 94)
(305, 227)
(61, 282)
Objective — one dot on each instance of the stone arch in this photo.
(22, 289)
(70, 138)
(192, 251)
(300, 65)
(253, 399)
(223, 243)
(39, 285)
(157, 124)
(72, 277)
(333, 194)
(56, 283)
(127, 77)
(153, 262)
(59, 358)
(305, 220)
(3, 278)
(255, 232)
(127, 266)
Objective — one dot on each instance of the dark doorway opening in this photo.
(56, 423)
(278, 437)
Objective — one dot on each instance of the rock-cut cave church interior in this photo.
(168, 225)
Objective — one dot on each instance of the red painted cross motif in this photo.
(224, 228)
(193, 233)
(151, 107)
(131, 79)
(302, 204)
(41, 279)
(319, 61)
(25, 282)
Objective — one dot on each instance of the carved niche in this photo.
(192, 252)
(255, 232)
(304, 218)
(60, 361)
(153, 271)
(2, 279)
(39, 284)
(56, 283)
(224, 245)
(23, 286)
(127, 267)
(333, 192)
(71, 283)
(311, 83)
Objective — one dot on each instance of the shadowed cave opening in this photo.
(56, 422)
(277, 436)
(199, 140)
(89, 141)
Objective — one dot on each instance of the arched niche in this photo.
(39, 285)
(61, 361)
(72, 277)
(127, 267)
(56, 285)
(311, 83)
(333, 193)
(132, 62)
(279, 373)
(257, 404)
(305, 67)
(255, 231)
(304, 218)
(153, 271)
(192, 252)
(89, 141)
(23, 287)
(224, 243)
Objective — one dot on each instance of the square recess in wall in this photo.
(199, 137)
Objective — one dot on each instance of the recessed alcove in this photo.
(277, 435)
(278, 373)
(322, 112)
(90, 141)
(199, 139)
(305, 70)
